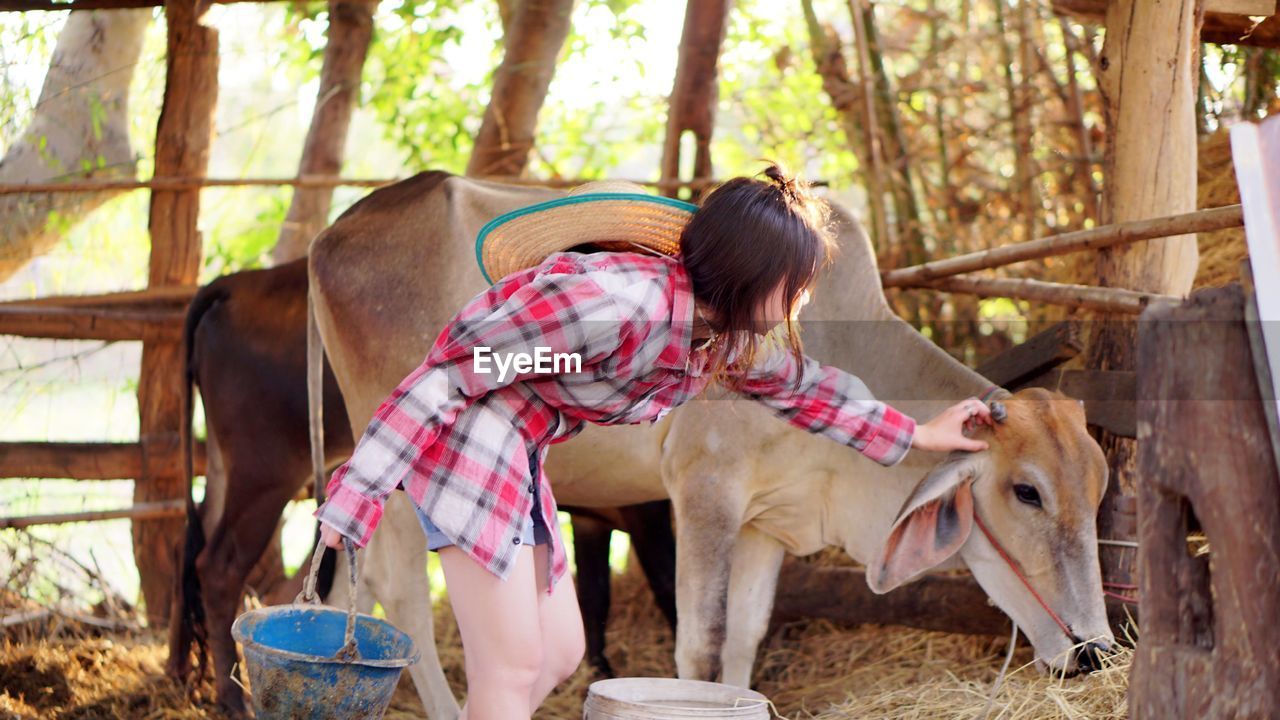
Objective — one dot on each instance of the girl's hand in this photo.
(946, 431)
(330, 537)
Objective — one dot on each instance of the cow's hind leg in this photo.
(591, 554)
(233, 549)
(757, 558)
(654, 540)
(708, 517)
(395, 571)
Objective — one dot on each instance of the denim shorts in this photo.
(535, 530)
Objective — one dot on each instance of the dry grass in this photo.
(810, 669)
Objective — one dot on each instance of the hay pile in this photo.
(815, 669)
(810, 669)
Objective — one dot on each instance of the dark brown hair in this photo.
(748, 236)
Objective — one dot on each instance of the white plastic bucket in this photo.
(671, 699)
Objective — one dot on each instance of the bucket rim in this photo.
(238, 634)
(750, 698)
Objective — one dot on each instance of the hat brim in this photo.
(525, 237)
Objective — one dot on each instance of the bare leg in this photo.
(499, 622)
(563, 640)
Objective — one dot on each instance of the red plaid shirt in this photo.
(468, 445)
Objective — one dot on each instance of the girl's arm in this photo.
(829, 401)
(564, 312)
(838, 405)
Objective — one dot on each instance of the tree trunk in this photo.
(849, 100)
(1148, 83)
(80, 129)
(538, 29)
(350, 31)
(693, 98)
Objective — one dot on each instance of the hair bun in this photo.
(778, 177)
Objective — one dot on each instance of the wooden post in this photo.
(1149, 85)
(1209, 638)
(182, 149)
(693, 98)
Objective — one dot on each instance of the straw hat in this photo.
(611, 214)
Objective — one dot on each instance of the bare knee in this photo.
(565, 655)
(516, 669)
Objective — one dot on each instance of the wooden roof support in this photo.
(693, 97)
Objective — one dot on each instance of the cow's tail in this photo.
(315, 422)
(191, 613)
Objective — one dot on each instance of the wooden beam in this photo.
(1041, 352)
(1219, 27)
(183, 136)
(79, 461)
(1121, 233)
(951, 603)
(140, 511)
(1106, 299)
(79, 323)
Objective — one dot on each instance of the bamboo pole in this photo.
(1114, 300)
(141, 511)
(1228, 216)
(317, 181)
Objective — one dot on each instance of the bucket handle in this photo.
(349, 652)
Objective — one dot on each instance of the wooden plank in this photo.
(141, 511)
(76, 323)
(1044, 350)
(182, 150)
(79, 461)
(951, 603)
(1121, 233)
(1205, 459)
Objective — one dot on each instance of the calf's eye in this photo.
(1027, 494)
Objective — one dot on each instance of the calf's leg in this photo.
(757, 558)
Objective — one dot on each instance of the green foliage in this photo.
(772, 104)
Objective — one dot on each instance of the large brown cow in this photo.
(745, 487)
(245, 345)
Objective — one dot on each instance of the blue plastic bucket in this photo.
(290, 651)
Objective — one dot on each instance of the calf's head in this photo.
(1036, 490)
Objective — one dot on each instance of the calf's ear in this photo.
(932, 525)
